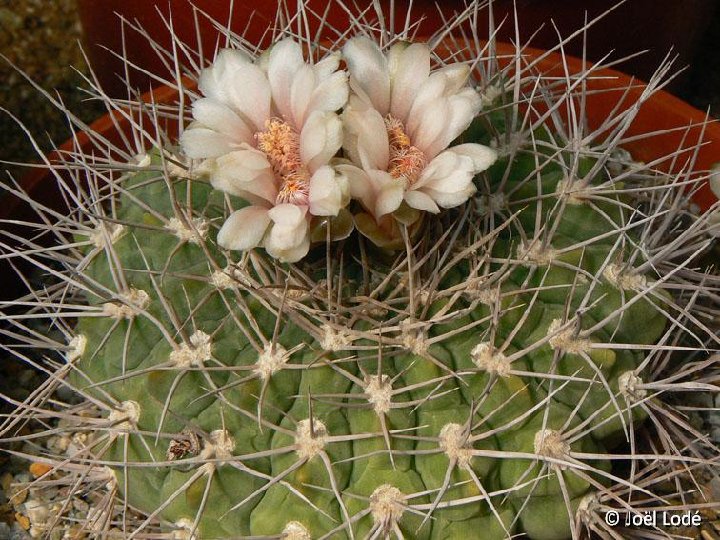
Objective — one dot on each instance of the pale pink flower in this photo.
(714, 180)
(269, 130)
(400, 120)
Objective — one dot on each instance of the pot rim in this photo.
(662, 110)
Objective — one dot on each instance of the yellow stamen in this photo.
(396, 133)
(406, 161)
(281, 144)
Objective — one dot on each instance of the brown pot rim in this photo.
(662, 111)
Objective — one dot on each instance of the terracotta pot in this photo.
(661, 112)
(655, 26)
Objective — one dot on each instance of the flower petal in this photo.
(369, 76)
(285, 60)
(301, 92)
(378, 192)
(365, 138)
(714, 223)
(442, 172)
(330, 94)
(328, 192)
(389, 198)
(320, 139)
(482, 156)
(213, 80)
(714, 181)
(327, 66)
(219, 117)
(431, 91)
(236, 82)
(448, 179)
(288, 215)
(408, 73)
(360, 186)
(463, 108)
(249, 94)
(451, 199)
(421, 201)
(456, 76)
(200, 142)
(244, 229)
(289, 231)
(289, 255)
(245, 173)
(432, 124)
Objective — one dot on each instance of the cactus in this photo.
(506, 365)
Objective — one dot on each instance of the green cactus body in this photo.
(456, 403)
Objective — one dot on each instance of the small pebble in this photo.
(65, 393)
(715, 489)
(5, 481)
(39, 469)
(81, 506)
(19, 496)
(22, 520)
(74, 533)
(37, 511)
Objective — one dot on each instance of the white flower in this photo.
(269, 130)
(714, 223)
(714, 180)
(399, 122)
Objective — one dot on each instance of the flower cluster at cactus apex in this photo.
(299, 141)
